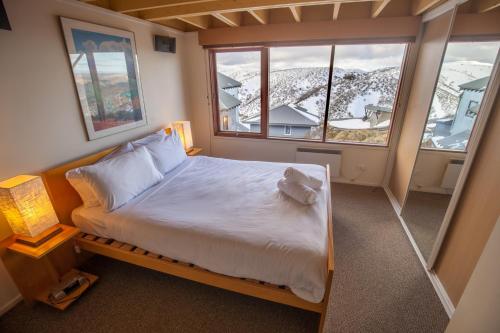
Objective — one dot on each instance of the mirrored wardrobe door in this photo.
(454, 125)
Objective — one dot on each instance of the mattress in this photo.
(227, 216)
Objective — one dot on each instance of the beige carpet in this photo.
(423, 214)
(379, 286)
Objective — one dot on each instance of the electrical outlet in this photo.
(77, 249)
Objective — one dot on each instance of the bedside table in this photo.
(194, 151)
(41, 256)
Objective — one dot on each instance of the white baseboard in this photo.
(392, 199)
(10, 304)
(436, 283)
(355, 182)
(432, 189)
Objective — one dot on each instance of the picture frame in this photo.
(106, 75)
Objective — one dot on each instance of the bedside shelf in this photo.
(40, 251)
(73, 296)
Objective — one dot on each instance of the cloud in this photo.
(472, 51)
(366, 57)
(300, 57)
(231, 62)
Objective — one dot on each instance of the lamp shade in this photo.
(184, 130)
(26, 205)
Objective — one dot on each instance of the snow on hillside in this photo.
(352, 90)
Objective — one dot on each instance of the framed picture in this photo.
(104, 65)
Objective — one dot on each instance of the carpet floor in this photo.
(423, 214)
(378, 286)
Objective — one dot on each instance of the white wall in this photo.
(374, 159)
(41, 124)
(429, 170)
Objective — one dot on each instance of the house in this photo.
(287, 121)
(229, 103)
(470, 99)
(454, 133)
(378, 116)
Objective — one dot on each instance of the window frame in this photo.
(264, 55)
(264, 97)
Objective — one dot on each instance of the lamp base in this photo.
(41, 238)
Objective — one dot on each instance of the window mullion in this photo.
(328, 91)
(264, 93)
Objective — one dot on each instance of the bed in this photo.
(219, 222)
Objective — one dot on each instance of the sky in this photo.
(472, 51)
(364, 57)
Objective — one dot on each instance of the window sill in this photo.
(258, 138)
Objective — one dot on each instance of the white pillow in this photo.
(116, 181)
(167, 153)
(124, 148)
(79, 183)
(157, 136)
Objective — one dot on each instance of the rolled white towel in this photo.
(298, 176)
(299, 192)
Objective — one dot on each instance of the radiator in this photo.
(451, 174)
(321, 157)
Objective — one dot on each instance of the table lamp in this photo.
(28, 210)
(184, 129)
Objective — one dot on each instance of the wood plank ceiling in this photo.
(192, 15)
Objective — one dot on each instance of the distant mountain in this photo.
(352, 89)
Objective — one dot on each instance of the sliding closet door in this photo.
(432, 48)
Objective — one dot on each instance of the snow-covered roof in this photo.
(478, 85)
(456, 141)
(371, 107)
(227, 101)
(225, 82)
(288, 115)
(353, 123)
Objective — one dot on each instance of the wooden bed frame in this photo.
(65, 199)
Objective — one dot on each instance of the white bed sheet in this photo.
(227, 216)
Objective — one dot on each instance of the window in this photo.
(238, 90)
(472, 109)
(463, 79)
(363, 92)
(293, 92)
(298, 81)
(287, 130)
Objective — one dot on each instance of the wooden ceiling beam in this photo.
(225, 6)
(202, 22)
(420, 6)
(261, 15)
(296, 13)
(336, 11)
(175, 24)
(125, 6)
(232, 19)
(378, 7)
(483, 6)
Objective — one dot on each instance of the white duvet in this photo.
(227, 216)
